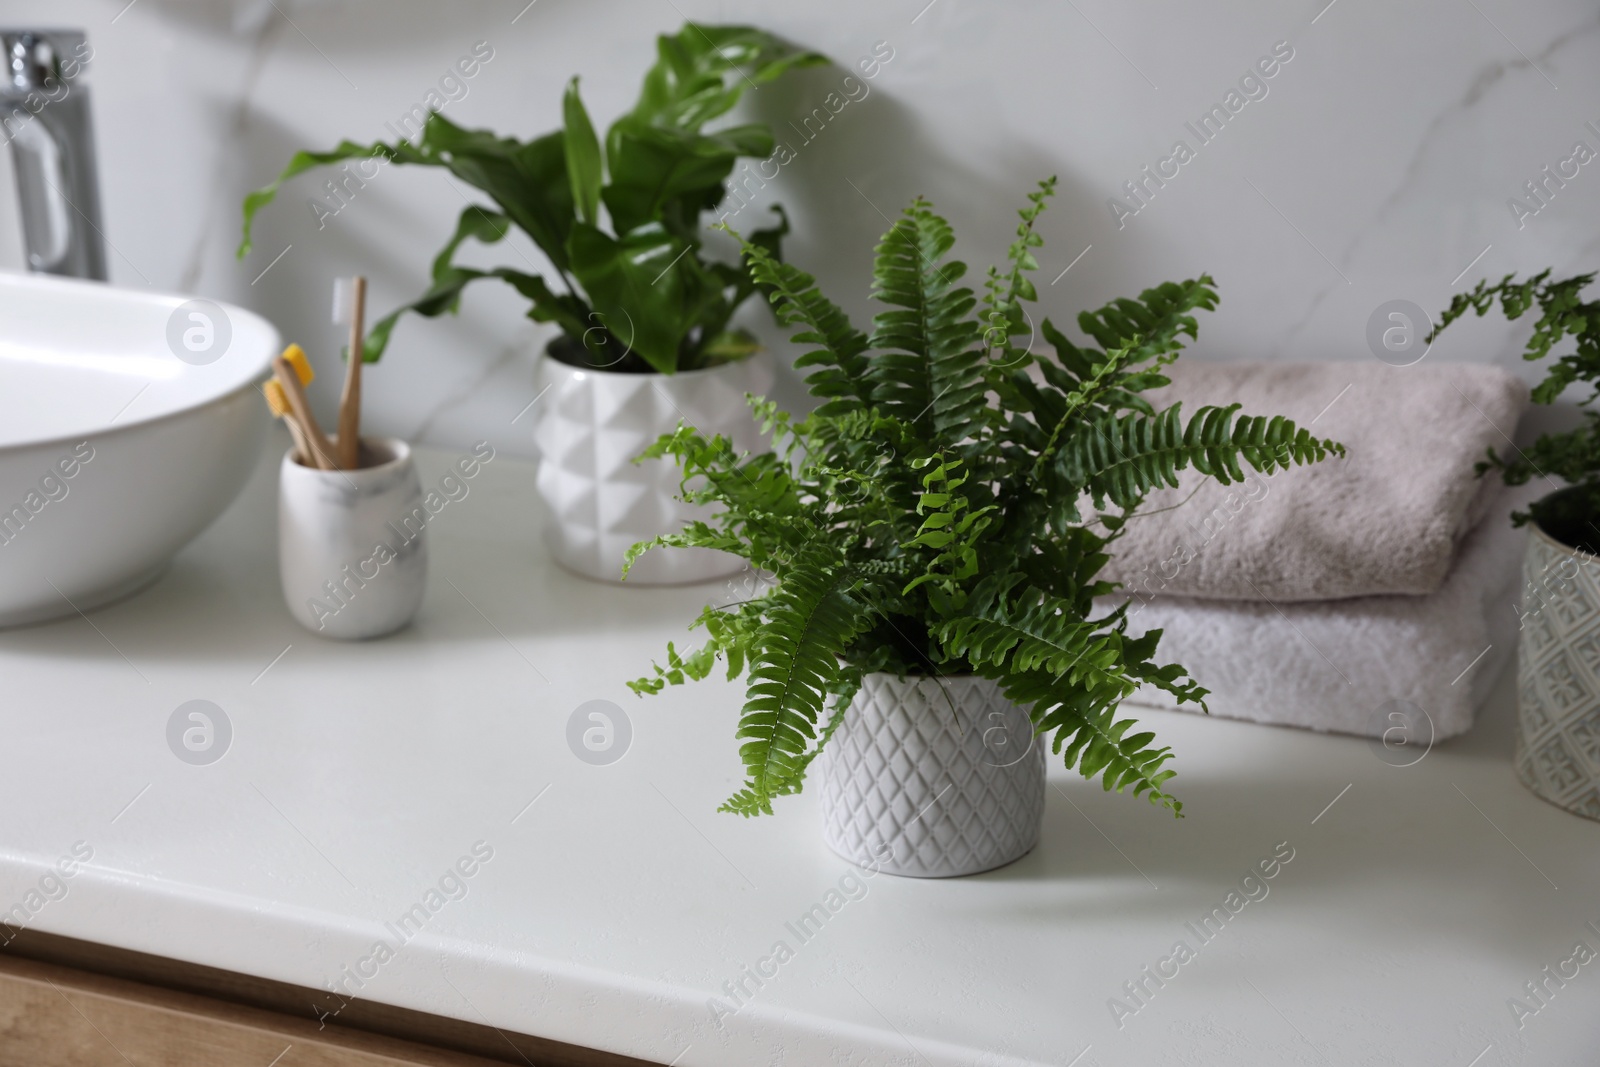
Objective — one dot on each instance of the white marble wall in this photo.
(1377, 166)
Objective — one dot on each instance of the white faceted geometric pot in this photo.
(588, 429)
(932, 778)
(1558, 675)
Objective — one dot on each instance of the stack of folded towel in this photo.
(1318, 596)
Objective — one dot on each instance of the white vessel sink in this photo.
(114, 452)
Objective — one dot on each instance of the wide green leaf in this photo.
(449, 280)
(672, 175)
(585, 168)
(701, 72)
(646, 288)
(528, 182)
(659, 171)
(444, 295)
(298, 164)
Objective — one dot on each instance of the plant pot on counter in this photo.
(1558, 675)
(932, 778)
(592, 424)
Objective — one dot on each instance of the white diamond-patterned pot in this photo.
(932, 778)
(1558, 675)
(588, 429)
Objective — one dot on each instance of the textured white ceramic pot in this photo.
(352, 553)
(932, 778)
(589, 427)
(1558, 675)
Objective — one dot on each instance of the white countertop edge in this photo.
(288, 943)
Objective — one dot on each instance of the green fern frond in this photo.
(695, 534)
(810, 621)
(1086, 733)
(842, 376)
(929, 367)
(1158, 318)
(1569, 455)
(960, 398)
(1004, 293)
(729, 636)
(1031, 631)
(1563, 313)
(841, 693)
(760, 502)
(1137, 662)
(925, 519)
(1124, 458)
(678, 670)
(949, 527)
(1073, 402)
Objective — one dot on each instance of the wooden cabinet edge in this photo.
(146, 1024)
(178, 994)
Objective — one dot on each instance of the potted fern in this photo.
(934, 557)
(644, 313)
(1558, 675)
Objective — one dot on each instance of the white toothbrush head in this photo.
(343, 301)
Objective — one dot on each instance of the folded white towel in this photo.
(1387, 518)
(1337, 665)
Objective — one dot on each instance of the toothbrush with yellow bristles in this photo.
(278, 404)
(286, 395)
(292, 373)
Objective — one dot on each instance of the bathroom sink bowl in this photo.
(114, 451)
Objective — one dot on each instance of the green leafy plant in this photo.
(644, 288)
(1572, 514)
(929, 518)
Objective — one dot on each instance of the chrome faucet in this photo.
(44, 116)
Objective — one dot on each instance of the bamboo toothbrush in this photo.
(293, 372)
(351, 305)
(278, 404)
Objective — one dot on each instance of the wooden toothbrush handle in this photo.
(302, 447)
(322, 455)
(350, 398)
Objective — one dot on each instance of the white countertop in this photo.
(617, 904)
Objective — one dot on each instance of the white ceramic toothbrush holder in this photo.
(352, 551)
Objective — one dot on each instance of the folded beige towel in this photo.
(1386, 519)
(1340, 665)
